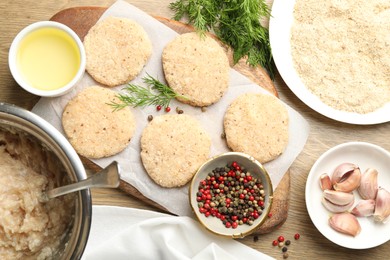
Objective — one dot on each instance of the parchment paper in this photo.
(175, 200)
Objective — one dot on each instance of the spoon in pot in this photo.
(106, 178)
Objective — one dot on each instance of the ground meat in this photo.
(30, 226)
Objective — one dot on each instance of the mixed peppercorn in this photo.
(167, 110)
(283, 244)
(231, 194)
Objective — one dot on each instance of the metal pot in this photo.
(28, 123)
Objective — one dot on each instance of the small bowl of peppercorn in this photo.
(231, 194)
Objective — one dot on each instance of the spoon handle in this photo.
(106, 178)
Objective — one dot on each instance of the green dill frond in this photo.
(156, 93)
(236, 23)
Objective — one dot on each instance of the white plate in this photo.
(364, 155)
(279, 33)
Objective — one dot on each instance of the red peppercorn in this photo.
(158, 108)
(220, 181)
(167, 109)
(281, 238)
(269, 215)
(297, 236)
(275, 242)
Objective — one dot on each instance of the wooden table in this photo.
(325, 133)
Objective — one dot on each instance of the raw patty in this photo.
(173, 147)
(197, 68)
(117, 49)
(93, 128)
(257, 124)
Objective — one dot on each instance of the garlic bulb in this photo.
(335, 208)
(345, 223)
(364, 208)
(338, 197)
(325, 183)
(341, 171)
(346, 177)
(369, 184)
(382, 205)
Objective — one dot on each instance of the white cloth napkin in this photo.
(126, 233)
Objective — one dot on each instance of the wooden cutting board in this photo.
(81, 19)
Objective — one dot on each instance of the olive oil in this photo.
(48, 58)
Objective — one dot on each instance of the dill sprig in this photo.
(138, 96)
(236, 23)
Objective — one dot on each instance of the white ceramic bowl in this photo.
(257, 170)
(15, 68)
(364, 155)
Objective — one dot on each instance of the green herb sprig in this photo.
(235, 22)
(138, 96)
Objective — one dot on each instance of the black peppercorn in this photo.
(284, 249)
(229, 193)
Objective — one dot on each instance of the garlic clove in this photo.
(342, 171)
(368, 184)
(338, 197)
(325, 182)
(345, 223)
(382, 205)
(336, 208)
(364, 208)
(349, 182)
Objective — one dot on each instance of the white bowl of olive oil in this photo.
(47, 59)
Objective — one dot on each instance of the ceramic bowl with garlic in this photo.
(348, 195)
